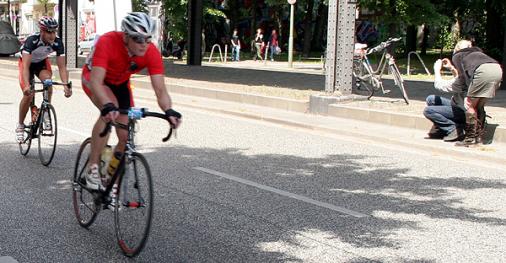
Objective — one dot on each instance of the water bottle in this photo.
(135, 113)
(105, 157)
(35, 113)
(114, 163)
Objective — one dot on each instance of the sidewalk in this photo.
(385, 119)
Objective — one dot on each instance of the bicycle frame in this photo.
(44, 103)
(129, 146)
(373, 77)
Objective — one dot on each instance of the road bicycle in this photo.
(367, 79)
(132, 205)
(43, 125)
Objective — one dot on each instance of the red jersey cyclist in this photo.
(35, 62)
(106, 80)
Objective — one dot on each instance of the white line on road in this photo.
(85, 135)
(281, 192)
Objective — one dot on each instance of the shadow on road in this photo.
(202, 217)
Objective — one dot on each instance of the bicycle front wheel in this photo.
(48, 134)
(85, 205)
(134, 205)
(364, 79)
(399, 82)
(24, 147)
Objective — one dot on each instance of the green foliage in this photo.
(175, 17)
(139, 6)
(444, 39)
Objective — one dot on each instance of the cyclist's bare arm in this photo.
(100, 97)
(162, 96)
(26, 60)
(97, 77)
(62, 68)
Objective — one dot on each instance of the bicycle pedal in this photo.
(386, 91)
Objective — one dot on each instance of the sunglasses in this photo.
(141, 39)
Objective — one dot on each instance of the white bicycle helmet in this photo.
(138, 24)
(48, 23)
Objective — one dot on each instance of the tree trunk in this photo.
(281, 30)
(308, 26)
(503, 84)
(425, 40)
(411, 33)
(493, 21)
(320, 27)
(234, 15)
(392, 27)
(254, 18)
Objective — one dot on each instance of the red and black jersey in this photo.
(111, 54)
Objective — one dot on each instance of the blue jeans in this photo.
(443, 114)
(273, 50)
(235, 53)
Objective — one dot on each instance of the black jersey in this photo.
(39, 50)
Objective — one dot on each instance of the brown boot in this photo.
(482, 123)
(471, 135)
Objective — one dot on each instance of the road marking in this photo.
(85, 135)
(7, 259)
(281, 192)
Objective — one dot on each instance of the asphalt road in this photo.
(236, 190)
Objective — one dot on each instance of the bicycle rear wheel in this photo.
(48, 134)
(399, 82)
(24, 147)
(364, 80)
(134, 205)
(85, 205)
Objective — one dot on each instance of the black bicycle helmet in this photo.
(138, 24)
(48, 23)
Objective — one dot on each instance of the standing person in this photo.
(106, 81)
(274, 44)
(480, 75)
(447, 115)
(258, 42)
(35, 62)
(236, 46)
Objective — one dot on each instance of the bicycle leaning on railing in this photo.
(132, 201)
(367, 79)
(43, 123)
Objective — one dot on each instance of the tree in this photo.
(44, 3)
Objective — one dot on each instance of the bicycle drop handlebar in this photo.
(136, 114)
(48, 83)
(383, 45)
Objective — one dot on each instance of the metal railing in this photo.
(212, 51)
(419, 58)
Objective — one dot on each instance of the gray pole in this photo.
(290, 38)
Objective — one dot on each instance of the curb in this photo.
(464, 154)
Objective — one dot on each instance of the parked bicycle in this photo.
(367, 79)
(132, 204)
(43, 124)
